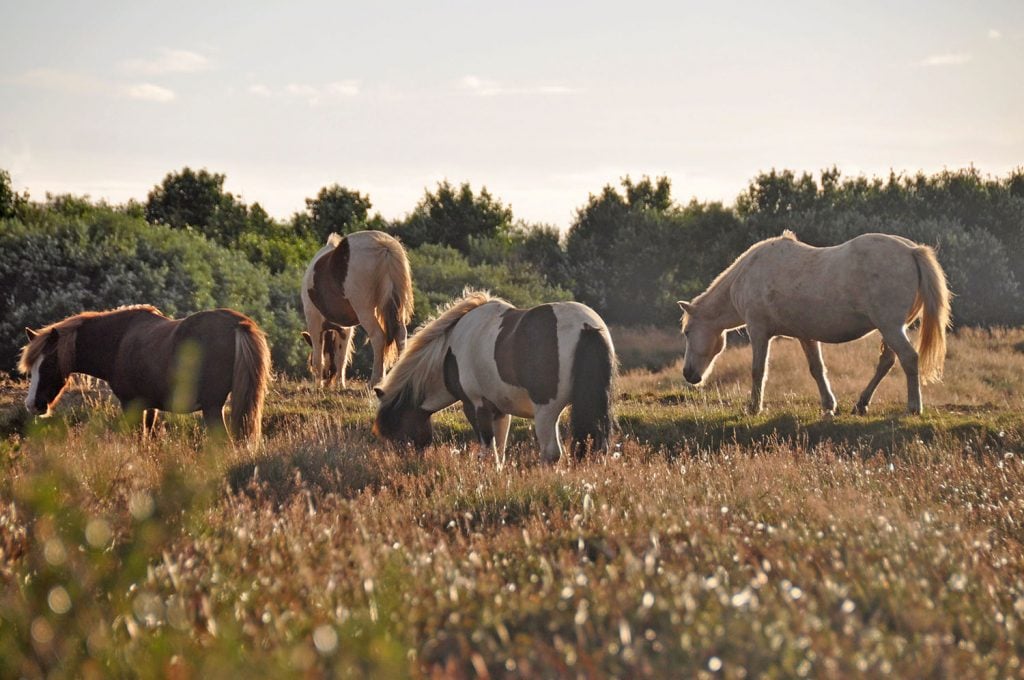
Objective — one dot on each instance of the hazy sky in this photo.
(542, 102)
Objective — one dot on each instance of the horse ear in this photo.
(686, 307)
(379, 392)
(307, 338)
(30, 333)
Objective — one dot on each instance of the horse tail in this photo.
(593, 378)
(394, 300)
(249, 382)
(933, 302)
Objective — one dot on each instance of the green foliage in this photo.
(11, 202)
(82, 257)
(334, 210)
(198, 200)
(453, 216)
(441, 273)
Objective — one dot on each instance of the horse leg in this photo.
(885, 363)
(759, 343)
(502, 422)
(148, 422)
(812, 350)
(316, 357)
(344, 348)
(485, 429)
(376, 335)
(545, 422)
(899, 342)
(213, 419)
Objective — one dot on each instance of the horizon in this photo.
(542, 105)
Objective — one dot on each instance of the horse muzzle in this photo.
(693, 378)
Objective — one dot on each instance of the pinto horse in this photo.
(500, 361)
(156, 363)
(363, 280)
(837, 294)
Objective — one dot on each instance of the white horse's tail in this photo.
(393, 303)
(933, 304)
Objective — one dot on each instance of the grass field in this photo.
(709, 543)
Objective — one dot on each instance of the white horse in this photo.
(837, 294)
(362, 279)
(500, 361)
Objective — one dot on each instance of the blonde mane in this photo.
(425, 350)
(729, 273)
(67, 330)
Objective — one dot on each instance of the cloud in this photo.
(947, 59)
(483, 87)
(994, 34)
(149, 92)
(344, 88)
(260, 90)
(168, 61)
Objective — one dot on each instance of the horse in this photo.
(153, 362)
(362, 279)
(782, 287)
(500, 361)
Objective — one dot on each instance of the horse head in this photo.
(46, 379)
(399, 420)
(704, 342)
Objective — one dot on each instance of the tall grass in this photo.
(707, 543)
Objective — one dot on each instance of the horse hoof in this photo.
(859, 410)
(828, 413)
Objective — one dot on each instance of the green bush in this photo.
(55, 265)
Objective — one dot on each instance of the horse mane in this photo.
(730, 272)
(425, 349)
(67, 330)
(334, 239)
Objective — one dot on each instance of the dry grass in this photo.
(708, 544)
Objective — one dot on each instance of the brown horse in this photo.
(363, 280)
(155, 363)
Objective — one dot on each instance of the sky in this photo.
(543, 103)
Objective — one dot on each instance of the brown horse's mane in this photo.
(66, 334)
(423, 352)
(730, 271)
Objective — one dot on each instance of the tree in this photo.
(10, 201)
(335, 209)
(198, 200)
(454, 216)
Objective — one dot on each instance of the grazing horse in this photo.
(363, 280)
(500, 361)
(155, 363)
(837, 294)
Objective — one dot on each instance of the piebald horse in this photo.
(155, 363)
(362, 279)
(500, 361)
(837, 294)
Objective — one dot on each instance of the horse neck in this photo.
(717, 305)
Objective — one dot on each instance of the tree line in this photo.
(630, 252)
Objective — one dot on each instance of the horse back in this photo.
(832, 294)
(520, 357)
(325, 281)
(158, 353)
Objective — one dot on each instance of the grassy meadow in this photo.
(708, 544)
